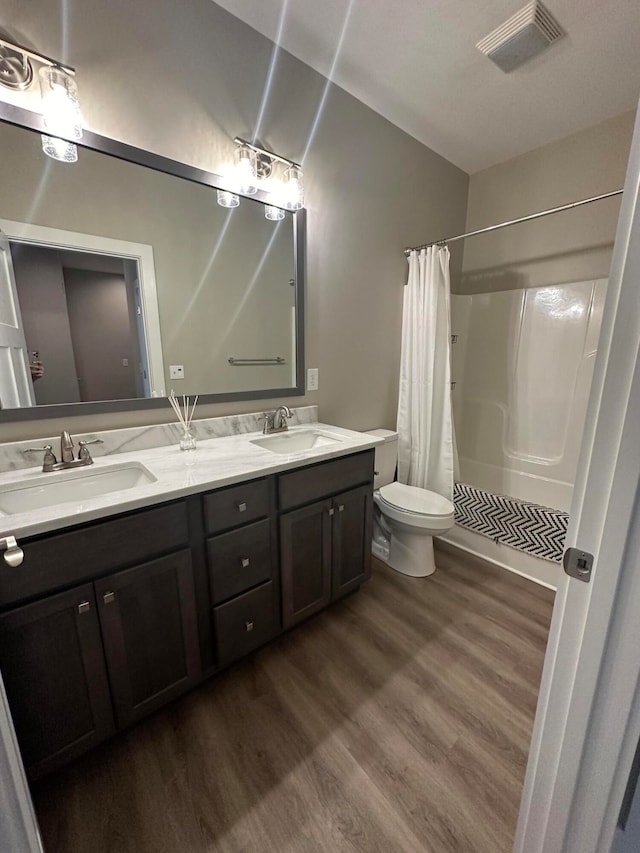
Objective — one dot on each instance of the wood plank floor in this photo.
(397, 721)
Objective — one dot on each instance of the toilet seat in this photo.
(416, 507)
(414, 499)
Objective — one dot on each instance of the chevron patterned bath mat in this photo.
(528, 527)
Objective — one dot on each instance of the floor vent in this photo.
(523, 36)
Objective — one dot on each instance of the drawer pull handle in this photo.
(109, 597)
(84, 607)
(245, 562)
(341, 508)
(242, 507)
(331, 511)
(248, 626)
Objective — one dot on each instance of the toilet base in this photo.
(412, 555)
(405, 552)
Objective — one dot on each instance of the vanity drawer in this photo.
(236, 505)
(244, 623)
(324, 479)
(239, 560)
(64, 559)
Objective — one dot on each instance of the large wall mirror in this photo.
(122, 278)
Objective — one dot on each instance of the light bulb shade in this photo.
(293, 188)
(246, 170)
(227, 199)
(273, 213)
(60, 104)
(59, 149)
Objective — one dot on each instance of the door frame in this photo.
(19, 374)
(588, 718)
(18, 827)
(141, 253)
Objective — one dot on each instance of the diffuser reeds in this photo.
(184, 413)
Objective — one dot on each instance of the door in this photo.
(588, 718)
(16, 386)
(101, 334)
(148, 619)
(305, 543)
(53, 668)
(352, 530)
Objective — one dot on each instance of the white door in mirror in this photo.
(312, 379)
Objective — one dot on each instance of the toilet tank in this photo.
(386, 456)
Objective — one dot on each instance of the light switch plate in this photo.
(176, 371)
(312, 379)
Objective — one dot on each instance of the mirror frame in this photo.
(122, 151)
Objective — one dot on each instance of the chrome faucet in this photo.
(275, 421)
(50, 463)
(66, 447)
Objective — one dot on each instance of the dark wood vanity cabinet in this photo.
(55, 678)
(325, 545)
(81, 662)
(305, 547)
(351, 540)
(105, 622)
(148, 620)
(242, 556)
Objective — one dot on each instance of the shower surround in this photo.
(522, 365)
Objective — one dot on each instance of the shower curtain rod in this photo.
(512, 222)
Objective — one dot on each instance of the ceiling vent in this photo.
(523, 36)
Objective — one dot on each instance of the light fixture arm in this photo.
(240, 141)
(37, 57)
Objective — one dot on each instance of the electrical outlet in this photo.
(125, 362)
(176, 371)
(312, 379)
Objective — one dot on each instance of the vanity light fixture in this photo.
(246, 173)
(227, 199)
(290, 191)
(275, 214)
(293, 188)
(61, 115)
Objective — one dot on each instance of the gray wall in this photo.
(572, 246)
(184, 85)
(41, 294)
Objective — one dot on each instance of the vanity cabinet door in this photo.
(149, 628)
(54, 674)
(352, 530)
(305, 544)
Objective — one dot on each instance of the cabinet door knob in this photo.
(248, 626)
(109, 597)
(341, 508)
(84, 607)
(245, 562)
(242, 507)
(331, 511)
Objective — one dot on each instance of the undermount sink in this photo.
(295, 442)
(60, 487)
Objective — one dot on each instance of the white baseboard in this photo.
(542, 572)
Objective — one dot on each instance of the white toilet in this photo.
(406, 517)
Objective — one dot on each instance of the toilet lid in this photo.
(413, 499)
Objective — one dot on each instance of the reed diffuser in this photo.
(184, 413)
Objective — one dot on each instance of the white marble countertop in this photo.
(216, 462)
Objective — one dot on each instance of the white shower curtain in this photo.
(426, 442)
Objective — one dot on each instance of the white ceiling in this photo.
(415, 62)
